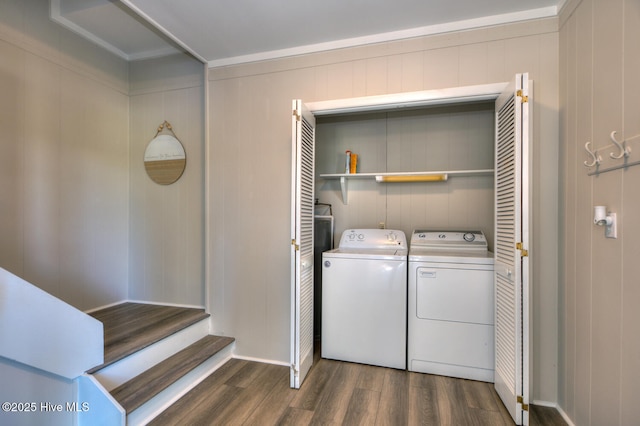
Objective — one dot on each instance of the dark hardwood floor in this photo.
(340, 393)
(335, 392)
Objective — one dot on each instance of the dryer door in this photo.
(450, 320)
(455, 294)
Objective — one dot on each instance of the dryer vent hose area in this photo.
(318, 203)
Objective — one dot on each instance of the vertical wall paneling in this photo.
(582, 100)
(630, 295)
(441, 67)
(599, 374)
(167, 221)
(412, 73)
(544, 110)
(567, 346)
(42, 186)
(606, 314)
(375, 79)
(474, 65)
(12, 178)
(606, 190)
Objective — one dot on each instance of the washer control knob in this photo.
(392, 237)
(469, 237)
(361, 236)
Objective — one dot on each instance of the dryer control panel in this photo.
(373, 239)
(449, 240)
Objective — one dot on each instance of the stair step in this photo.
(145, 386)
(130, 327)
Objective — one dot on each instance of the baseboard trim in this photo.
(97, 308)
(557, 407)
(262, 360)
(565, 416)
(545, 403)
(177, 305)
(143, 302)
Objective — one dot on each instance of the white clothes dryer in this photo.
(451, 305)
(364, 298)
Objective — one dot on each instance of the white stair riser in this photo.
(127, 368)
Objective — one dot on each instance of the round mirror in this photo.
(165, 159)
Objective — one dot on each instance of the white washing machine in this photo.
(364, 298)
(451, 305)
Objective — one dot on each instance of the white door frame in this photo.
(454, 95)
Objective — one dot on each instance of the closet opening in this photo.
(462, 132)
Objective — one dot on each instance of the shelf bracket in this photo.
(344, 189)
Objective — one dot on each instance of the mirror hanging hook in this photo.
(166, 125)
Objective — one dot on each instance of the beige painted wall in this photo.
(64, 167)
(599, 286)
(81, 219)
(250, 163)
(167, 221)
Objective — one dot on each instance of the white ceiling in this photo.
(224, 32)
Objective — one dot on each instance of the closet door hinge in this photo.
(523, 251)
(525, 99)
(295, 245)
(520, 400)
(296, 114)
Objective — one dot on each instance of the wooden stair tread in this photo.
(145, 386)
(129, 327)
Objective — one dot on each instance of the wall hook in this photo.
(624, 150)
(596, 159)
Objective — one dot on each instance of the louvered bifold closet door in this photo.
(303, 148)
(511, 362)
